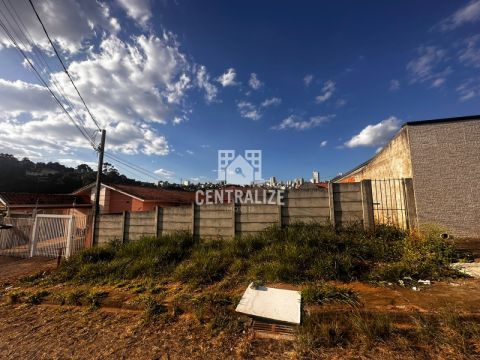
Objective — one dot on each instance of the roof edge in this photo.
(441, 120)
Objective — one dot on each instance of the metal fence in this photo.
(389, 202)
(16, 240)
(48, 235)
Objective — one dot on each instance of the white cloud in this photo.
(340, 103)
(274, 101)
(394, 85)
(203, 82)
(70, 23)
(470, 54)
(254, 82)
(468, 13)
(228, 78)
(307, 80)
(469, 89)
(190, 152)
(297, 123)
(19, 96)
(438, 82)
(139, 10)
(141, 80)
(130, 86)
(164, 173)
(425, 67)
(248, 110)
(323, 143)
(375, 135)
(327, 92)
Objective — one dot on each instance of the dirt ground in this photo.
(50, 331)
(13, 268)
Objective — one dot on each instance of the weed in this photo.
(152, 308)
(36, 298)
(95, 298)
(322, 293)
(298, 253)
(15, 297)
(74, 297)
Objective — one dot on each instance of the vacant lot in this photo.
(174, 297)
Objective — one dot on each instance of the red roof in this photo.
(155, 194)
(28, 199)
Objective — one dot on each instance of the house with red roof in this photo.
(26, 204)
(117, 198)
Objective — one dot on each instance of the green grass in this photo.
(296, 254)
(323, 293)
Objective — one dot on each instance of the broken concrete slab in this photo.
(271, 303)
(471, 269)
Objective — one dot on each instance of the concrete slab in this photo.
(271, 303)
(471, 269)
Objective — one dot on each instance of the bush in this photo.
(296, 254)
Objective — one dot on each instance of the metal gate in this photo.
(48, 235)
(390, 202)
(16, 240)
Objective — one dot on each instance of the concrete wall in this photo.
(446, 174)
(392, 162)
(340, 205)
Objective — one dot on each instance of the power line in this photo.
(39, 77)
(63, 65)
(134, 167)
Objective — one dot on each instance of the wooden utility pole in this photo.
(98, 183)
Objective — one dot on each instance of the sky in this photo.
(315, 85)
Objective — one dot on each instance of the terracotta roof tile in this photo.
(12, 198)
(156, 194)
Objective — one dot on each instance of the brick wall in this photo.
(446, 174)
(392, 162)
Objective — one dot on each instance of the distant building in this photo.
(443, 159)
(272, 181)
(316, 177)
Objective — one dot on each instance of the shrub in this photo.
(297, 253)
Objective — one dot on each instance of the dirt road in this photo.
(14, 268)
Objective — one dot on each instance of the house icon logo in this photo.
(240, 170)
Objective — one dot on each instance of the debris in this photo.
(425, 282)
(401, 282)
(415, 288)
(471, 269)
(270, 303)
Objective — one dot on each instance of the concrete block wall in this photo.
(341, 204)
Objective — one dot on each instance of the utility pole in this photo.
(96, 208)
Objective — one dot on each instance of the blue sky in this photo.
(315, 85)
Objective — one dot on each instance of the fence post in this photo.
(367, 204)
(68, 250)
(412, 222)
(124, 220)
(331, 203)
(33, 243)
(157, 218)
(193, 219)
(234, 216)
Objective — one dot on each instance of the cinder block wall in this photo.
(341, 205)
(446, 174)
